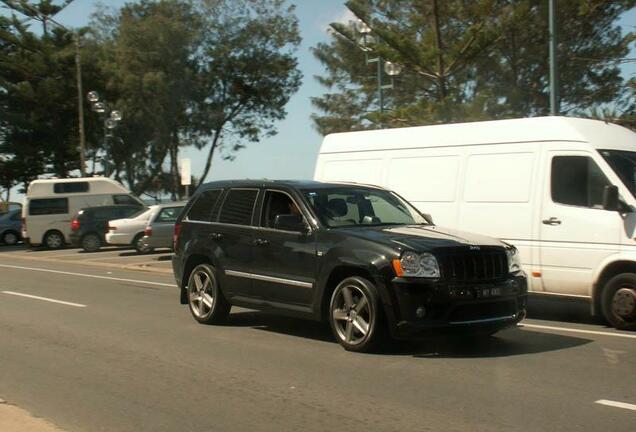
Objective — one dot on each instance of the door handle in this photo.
(216, 236)
(552, 221)
(261, 242)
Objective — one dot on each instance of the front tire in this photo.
(618, 301)
(205, 299)
(355, 316)
(54, 240)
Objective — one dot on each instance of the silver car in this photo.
(160, 228)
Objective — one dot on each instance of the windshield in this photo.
(357, 206)
(624, 165)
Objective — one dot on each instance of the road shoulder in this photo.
(15, 419)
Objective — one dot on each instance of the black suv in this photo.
(360, 257)
(89, 226)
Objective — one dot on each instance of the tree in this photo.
(468, 61)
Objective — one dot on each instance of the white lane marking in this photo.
(44, 299)
(616, 404)
(88, 275)
(574, 330)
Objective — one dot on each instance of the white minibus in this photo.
(562, 190)
(49, 206)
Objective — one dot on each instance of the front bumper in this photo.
(426, 308)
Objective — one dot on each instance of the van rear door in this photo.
(576, 234)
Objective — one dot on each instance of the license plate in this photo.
(489, 292)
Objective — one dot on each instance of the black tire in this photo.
(203, 284)
(10, 238)
(54, 240)
(345, 315)
(618, 301)
(91, 242)
(141, 247)
(136, 241)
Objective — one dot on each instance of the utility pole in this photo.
(554, 79)
(80, 105)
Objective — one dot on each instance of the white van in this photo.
(49, 206)
(562, 190)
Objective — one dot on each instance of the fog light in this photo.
(420, 312)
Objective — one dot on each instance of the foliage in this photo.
(469, 61)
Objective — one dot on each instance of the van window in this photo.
(238, 207)
(202, 208)
(577, 181)
(70, 187)
(125, 199)
(47, 206)
(168, 214)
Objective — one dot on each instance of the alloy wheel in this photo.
(10, 239)
(352, 315)
(201, 294)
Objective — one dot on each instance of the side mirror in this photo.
(610, 198)
(428, 218)
(290, 222)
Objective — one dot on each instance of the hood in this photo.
(421, 238)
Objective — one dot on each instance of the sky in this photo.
(292, 152)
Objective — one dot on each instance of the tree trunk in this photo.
(441, 71)
(208, 163)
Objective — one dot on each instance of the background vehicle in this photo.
(129, 231)
(160, 228)
(561, 189)
(361, 258)
(88, 227)
(10, 227)
(50, 204)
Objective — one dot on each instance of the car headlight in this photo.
(514, 264)
(416, 265)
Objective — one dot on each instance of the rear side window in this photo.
(47, 206)
(169, 214)
(577, 181)
(202, 208)
(238, 207)
(70, 187)
(125, 199)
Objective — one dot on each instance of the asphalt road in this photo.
(122, 355)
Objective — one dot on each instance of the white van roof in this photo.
(96, 186)
(600, 134)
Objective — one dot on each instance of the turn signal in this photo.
(397, 267)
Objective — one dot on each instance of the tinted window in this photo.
(277, 203)
(238, 207)
(72, 187)
(125, 199)
(127, 212)
(624, 165)
(48, 206)
(169, 214)
(202, 208)
(107, 213)
(577, 181)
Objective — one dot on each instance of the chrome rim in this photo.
(10, 238)
(351, 314)
(54, 241)
(201, 293)
(624, 303)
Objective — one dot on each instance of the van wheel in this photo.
(91, 242)
(618, 301)
(355, 316)
(10, 238)
(207, 303)
(54, 240)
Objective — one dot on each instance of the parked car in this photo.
(11, 227)
(160, 228)
(49, 206)
(562, 190)
(88, 227)
(360, 257)
(129, 231)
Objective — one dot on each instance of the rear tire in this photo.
(54, 240)
(205, 298)
(618, 301)
(140, 246)
(10, 238)
(91, 242)
(355, 316)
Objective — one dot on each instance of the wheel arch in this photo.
(605, 273)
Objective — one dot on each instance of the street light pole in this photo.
(554, 86)
(80, 105)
